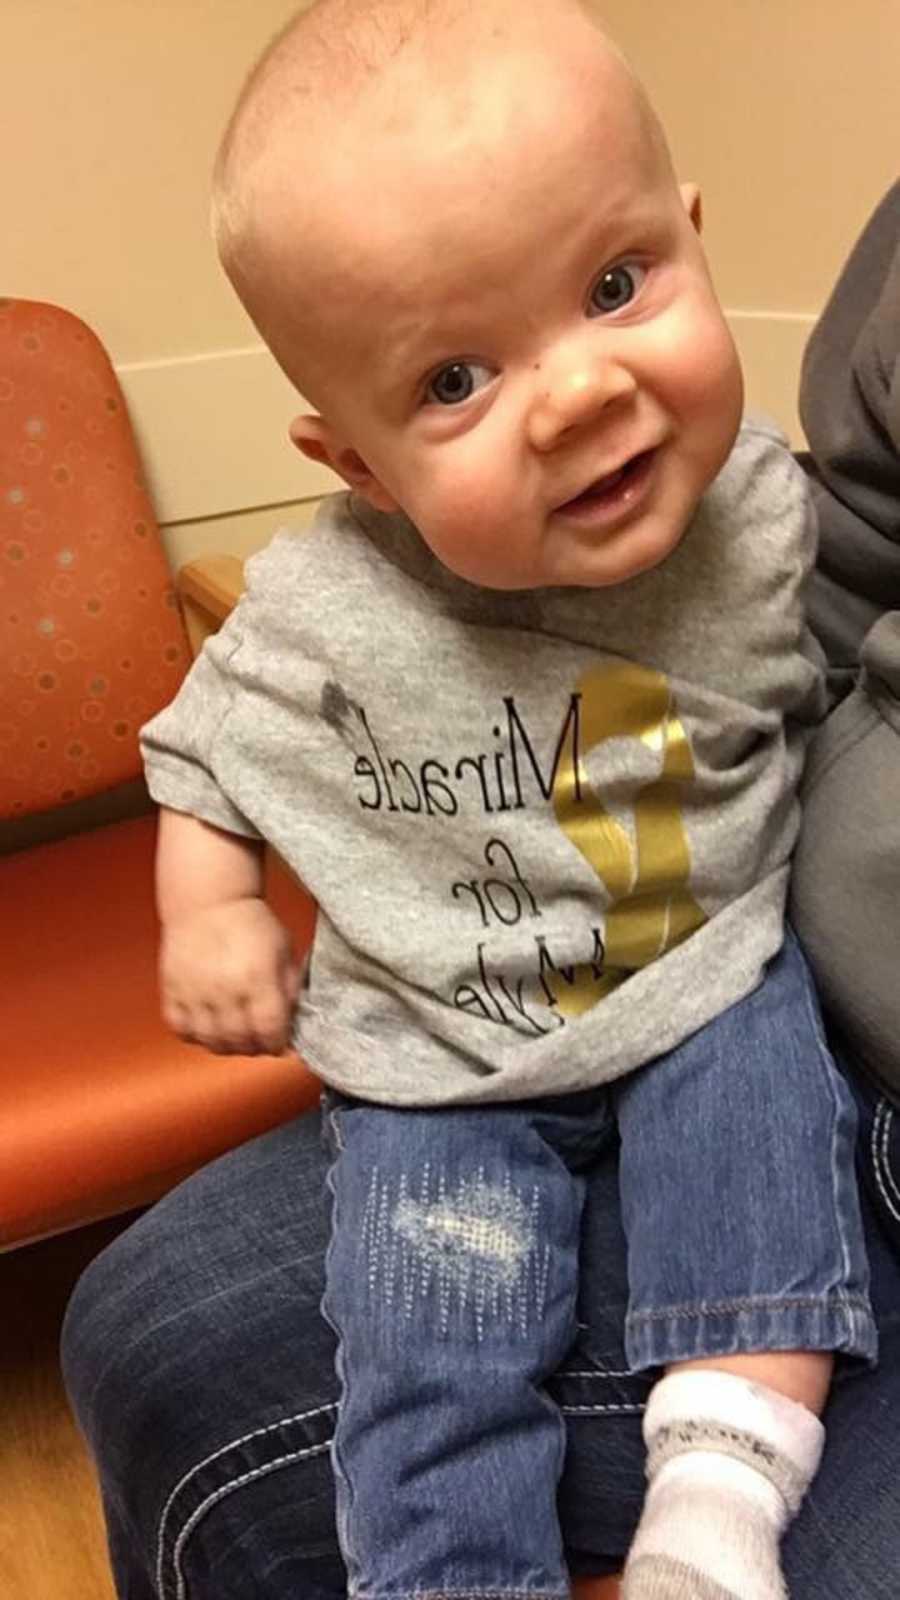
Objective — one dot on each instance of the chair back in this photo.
(91, 639)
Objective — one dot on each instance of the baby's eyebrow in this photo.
(410, 357)
(399, 374)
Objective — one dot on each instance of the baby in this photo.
(525, 711)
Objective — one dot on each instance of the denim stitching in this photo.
(596, 1372)
(220, 1494)
(592, 1376)
(880, 1136)
(888, 1120)
(753, 1303)
(337, 1132)
(596, 1411)
(233, 1444)
(814, 1017)
(256, 1473)
(481, 1594)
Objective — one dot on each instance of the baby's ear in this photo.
(690, 195)
(317, 439)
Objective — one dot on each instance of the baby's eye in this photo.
(456, 382)
(617, 286)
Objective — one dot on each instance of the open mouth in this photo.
(615, 490)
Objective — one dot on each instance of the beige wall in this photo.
(783, 110)
(786, 113)
(113, 108)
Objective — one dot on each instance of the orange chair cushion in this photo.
(100, 1107)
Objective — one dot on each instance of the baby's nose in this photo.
(573, 393)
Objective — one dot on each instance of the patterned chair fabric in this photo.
(101, 1108)
(92, 640)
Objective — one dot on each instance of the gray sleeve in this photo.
(846, 878)
(850, 406)
(179, 745)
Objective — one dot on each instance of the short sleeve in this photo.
(179, 745)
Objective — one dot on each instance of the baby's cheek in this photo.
(710, 392)
(717, 369)
(462, 505)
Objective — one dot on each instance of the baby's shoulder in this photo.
(762, 495)
(295, 555)
(761, 455)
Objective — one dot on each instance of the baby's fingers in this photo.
(206, 1025)
(271, 1006)
(268, 1014)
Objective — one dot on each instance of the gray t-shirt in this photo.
(548, 831)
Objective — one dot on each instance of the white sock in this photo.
(728, 1463)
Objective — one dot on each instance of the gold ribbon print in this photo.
(646, 875)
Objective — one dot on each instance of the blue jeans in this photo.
(452, 1277)
(203, 1375)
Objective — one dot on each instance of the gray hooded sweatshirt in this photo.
(846, 887)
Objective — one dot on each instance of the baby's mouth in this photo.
(614, 487)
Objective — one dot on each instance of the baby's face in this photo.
(520, 344)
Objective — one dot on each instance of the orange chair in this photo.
(100, 1108)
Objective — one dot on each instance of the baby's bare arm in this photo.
(228, 976)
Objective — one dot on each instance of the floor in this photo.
(51, 1528)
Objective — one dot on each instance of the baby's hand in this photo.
(229, 978)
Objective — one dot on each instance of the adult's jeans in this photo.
(203, 1374)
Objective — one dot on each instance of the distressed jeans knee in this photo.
(451, 1284)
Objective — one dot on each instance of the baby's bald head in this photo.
(308, 73)
(345, 76)
(308, 82)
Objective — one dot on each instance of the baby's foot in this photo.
(728, 1464)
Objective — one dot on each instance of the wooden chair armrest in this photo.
(208, 589)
